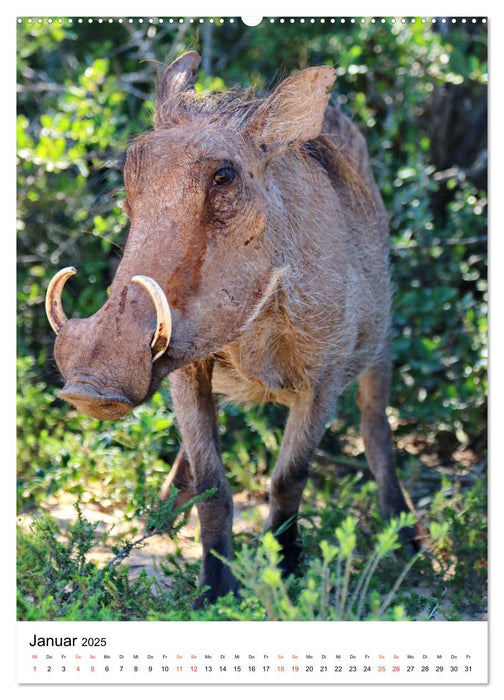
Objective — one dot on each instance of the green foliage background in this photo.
(418, 91)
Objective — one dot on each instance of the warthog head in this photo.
(200, 257)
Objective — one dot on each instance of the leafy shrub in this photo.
(331, 589)
(58, 449)
(56, 579)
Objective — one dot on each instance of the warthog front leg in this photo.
(196, 416)
(303, 432)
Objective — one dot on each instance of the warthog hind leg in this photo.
(303, 432)
(181, 478)
(372, 399)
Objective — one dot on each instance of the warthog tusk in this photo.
(53, 305)
(162, 335)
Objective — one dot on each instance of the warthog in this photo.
(256, 268)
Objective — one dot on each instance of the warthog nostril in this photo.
(95, 404)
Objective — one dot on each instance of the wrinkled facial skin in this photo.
(197, 224)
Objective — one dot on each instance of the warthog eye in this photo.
(224, 176)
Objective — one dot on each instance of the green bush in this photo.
(349, 575)
(63, 450)
(56, 579)
(331, 589)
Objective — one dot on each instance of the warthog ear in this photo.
(179, 77)
(294, 112)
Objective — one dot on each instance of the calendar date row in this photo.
(268, 668)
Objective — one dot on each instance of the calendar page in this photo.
(240, 652)
(252, 359)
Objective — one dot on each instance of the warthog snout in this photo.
(57, 317)
(120, 380)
